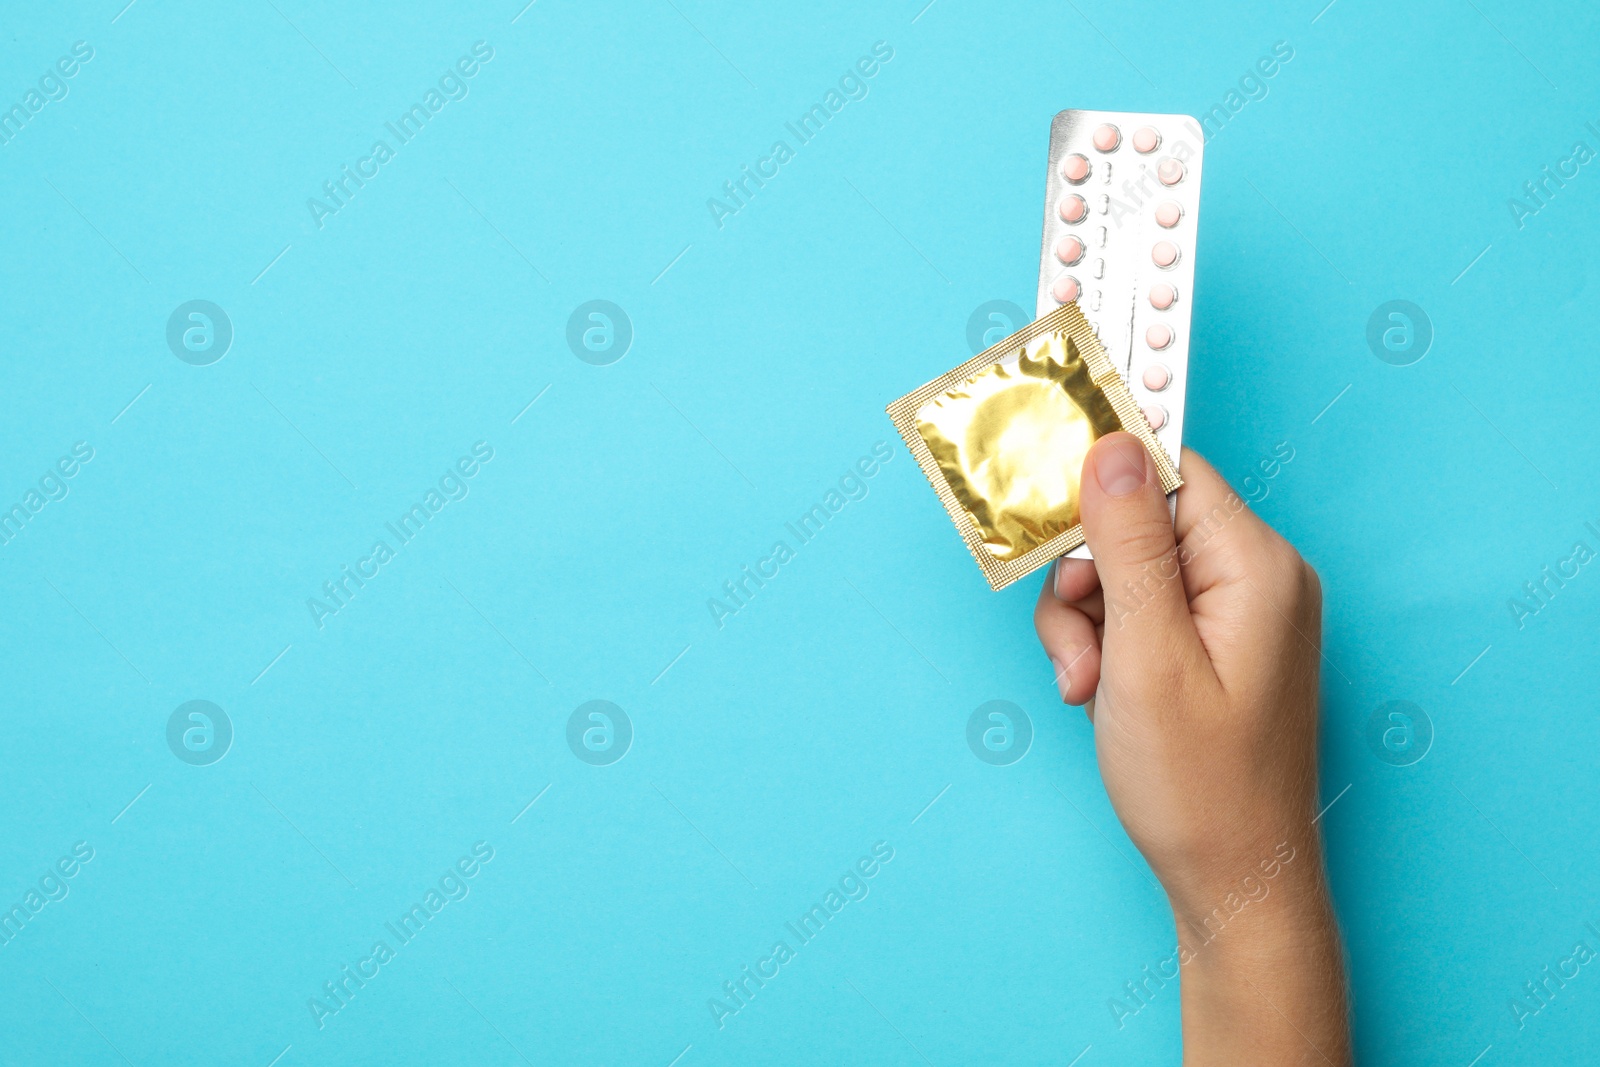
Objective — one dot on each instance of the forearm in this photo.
(1268, 987)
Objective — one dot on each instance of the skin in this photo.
(1201, 680)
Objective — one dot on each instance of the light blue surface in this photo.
(371, 754)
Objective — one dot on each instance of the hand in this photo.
(1196, 653)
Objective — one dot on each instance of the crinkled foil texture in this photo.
(1011, 442)
(1002, 438)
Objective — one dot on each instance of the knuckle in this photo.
(1280, 563)
(1046, 617)
(1284, 569)
(1146, 540)
(1311, 583)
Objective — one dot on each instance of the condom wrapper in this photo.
(1002, 439)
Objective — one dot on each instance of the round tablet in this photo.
(1107, 137)
(1146, 140)
(1170, 171)
(1073, 209)
(1158, 336)
(1069, 250)
(1075, 168)
(1162, 297)
(1157, 415)
(1165, 254)
(1065, 289)
(1157, 377)
(1168, 214)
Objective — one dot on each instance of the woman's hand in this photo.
(1197, 652)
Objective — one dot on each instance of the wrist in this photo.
(1262, 963)
(1293, 923)
(1259, 889)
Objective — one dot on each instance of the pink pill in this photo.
(1069, 250)
(1168, 214)
(1145, 140)
(1107, 137)
(1073, 209)
(1158, 336)
(1165, 254)
(1162, 297)
(1075, 168)
(1157, 377)
(1065, 289)
(1170, 171)
(1157, 415)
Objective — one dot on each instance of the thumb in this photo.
(1129, 529)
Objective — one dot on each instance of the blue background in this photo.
(768, 755)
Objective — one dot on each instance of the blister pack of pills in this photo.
(1122, 207)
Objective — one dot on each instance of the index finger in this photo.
(1216, 528)
(1074, 579)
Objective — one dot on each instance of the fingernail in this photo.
(1120, 468)
(1055, 579)
(1063, 679)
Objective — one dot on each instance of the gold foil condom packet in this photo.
(1002, 440)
